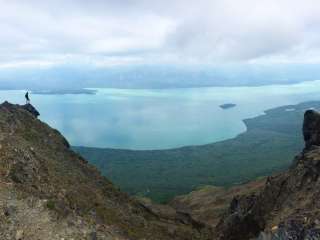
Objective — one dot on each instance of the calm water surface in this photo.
(157, 119)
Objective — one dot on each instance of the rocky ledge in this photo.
(28, 107)
(49, 192)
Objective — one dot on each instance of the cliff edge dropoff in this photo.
(49, 192)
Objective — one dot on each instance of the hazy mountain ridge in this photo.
(153, 76)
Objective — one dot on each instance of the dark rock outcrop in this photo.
(31, 109)
(292, 229)
(288, 205)
(311, 128)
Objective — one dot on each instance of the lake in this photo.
(162, 118)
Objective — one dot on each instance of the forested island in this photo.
(227, 105)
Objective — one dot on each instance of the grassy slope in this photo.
(269, 145)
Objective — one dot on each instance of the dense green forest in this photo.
(269, 145)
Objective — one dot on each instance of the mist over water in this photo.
(159, 119)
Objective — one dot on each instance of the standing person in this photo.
(27, 98)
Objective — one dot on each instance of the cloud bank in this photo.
(111, 32)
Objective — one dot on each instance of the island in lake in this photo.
(227, 105)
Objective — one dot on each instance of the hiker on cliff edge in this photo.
(27, 98)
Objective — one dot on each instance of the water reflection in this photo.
(156, 119)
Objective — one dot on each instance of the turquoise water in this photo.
(158, 119)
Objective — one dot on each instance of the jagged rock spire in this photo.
(311, 128)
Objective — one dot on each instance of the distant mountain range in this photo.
(75, 77)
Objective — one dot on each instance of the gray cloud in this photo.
(140, 31)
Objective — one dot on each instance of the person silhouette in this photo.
(27, 98)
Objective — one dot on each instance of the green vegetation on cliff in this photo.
(268, 146)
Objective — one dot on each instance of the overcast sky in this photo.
(113, 32)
